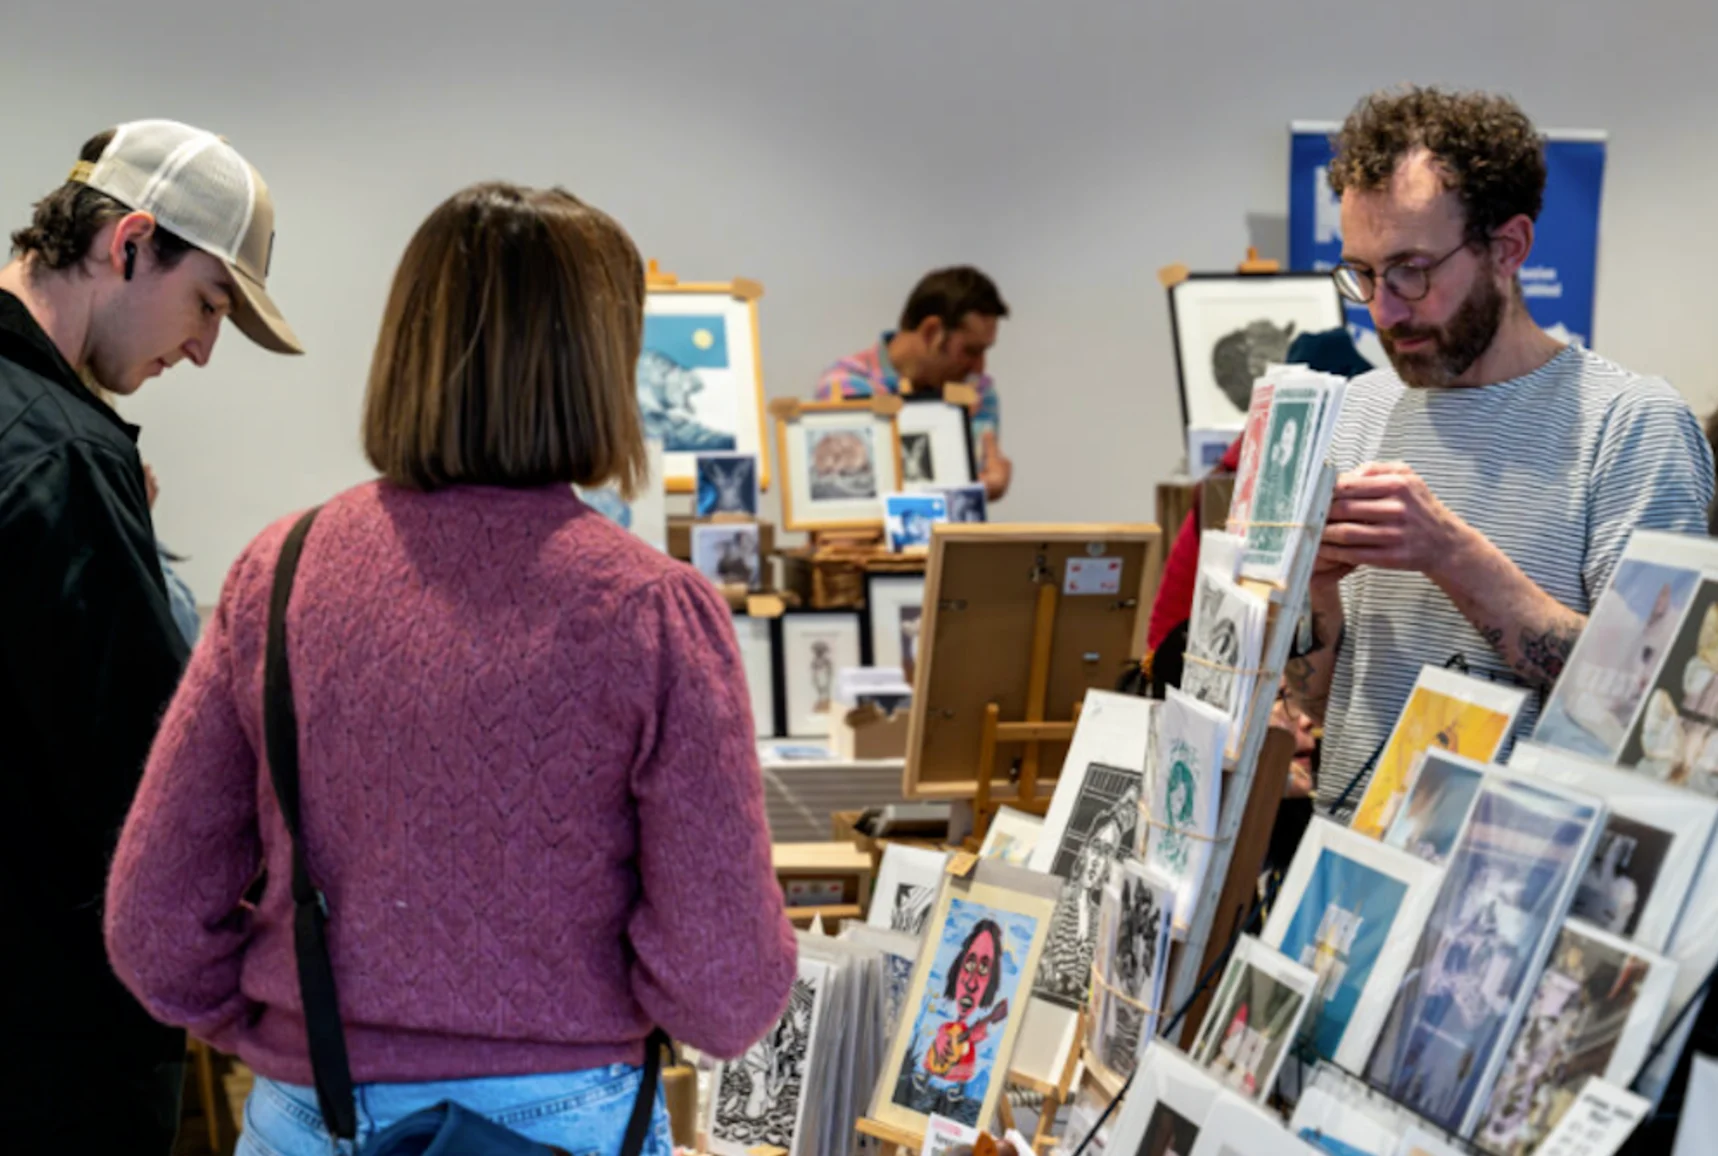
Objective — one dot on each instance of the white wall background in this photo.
(835, 151)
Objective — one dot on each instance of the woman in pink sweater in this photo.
(530, 784)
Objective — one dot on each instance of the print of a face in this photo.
(1099, 852)
(976, 967)
(1181, 788)
(1283, 452)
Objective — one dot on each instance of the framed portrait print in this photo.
(1229, 326)
(727, 553)
(727, 484)
(894, 606)
(951, 1051)
(839, 458)
(936, 444)
(811, 646)
(700, 378)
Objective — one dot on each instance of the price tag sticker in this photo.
(1092, 576)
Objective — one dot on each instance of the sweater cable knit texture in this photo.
(531, 794)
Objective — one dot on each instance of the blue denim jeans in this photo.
(584, 1112)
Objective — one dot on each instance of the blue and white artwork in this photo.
(1427, 824)
(727, 484)
(1613, 667)
(966, 503)
(1339, 927)
(910, 518)
(686, 384)
(974, 985)
(1510, 879)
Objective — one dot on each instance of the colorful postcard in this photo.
(1254, 1018)
(1447, 711)
(1349, 909)
(1013, 836)
(910, 518)
(1508, 885)
(1441, 795)
(1252, 447)
(1593, 1014)
(1675, 739)
(950, 1056)
(1616, 663)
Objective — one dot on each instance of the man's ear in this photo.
(932, 332)
(1512, 244)
(132, 229)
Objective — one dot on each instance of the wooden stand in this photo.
(1028, 733)
(893, 1139)
(1061, 1092)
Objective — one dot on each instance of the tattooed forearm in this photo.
(1544, 653)
(1493, 636)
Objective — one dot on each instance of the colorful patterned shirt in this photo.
(870, 372)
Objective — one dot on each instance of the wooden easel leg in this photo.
(982, 809)
(1005, 1111)
(1038, 682)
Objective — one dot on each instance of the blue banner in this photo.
(1560, 277)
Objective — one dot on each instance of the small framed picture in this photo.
(910, 518)
(838, 460)
(811, 646)
(966, 503)
(646, 515)
(756, 637)
(936, 444)
(727, 484)
(894, 608)
(1229, 326)
(1206, 447)
(727, 553)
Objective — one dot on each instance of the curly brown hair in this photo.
(1489, 153)
(66, 221)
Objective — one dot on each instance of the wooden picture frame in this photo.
(700, 374)
(854, 502)
(977, 632)
(1226, 326)
(891, 600)
(948, 454)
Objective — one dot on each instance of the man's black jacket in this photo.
(89, 657)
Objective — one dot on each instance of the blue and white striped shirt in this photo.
(1556, 468)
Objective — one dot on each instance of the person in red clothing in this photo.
(529, 781)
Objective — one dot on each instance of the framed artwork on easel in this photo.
(838, 460)
(1229, 326)
(700, 376)
(985, 608)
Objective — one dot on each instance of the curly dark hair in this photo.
(66, 221)
(1490, 154)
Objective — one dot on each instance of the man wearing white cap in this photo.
(160, 231)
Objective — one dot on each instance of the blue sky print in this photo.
(692, 342)
(1338, 930)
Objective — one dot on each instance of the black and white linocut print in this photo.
(917, 464)
(1133, 973)
(1215, 637)
(1100, 831)
(758, 1099)
(912, 908)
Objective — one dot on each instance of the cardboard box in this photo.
(866, 734)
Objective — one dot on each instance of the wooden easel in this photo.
(1029, 733)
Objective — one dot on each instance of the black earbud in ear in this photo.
(130, 259)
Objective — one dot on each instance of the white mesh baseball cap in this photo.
(198, 187)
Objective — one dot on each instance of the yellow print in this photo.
(1431, 721)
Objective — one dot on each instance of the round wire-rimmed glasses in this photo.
(1406, 281)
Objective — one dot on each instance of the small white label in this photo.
(1597, 1123)
(814, 892)
(1093, 576)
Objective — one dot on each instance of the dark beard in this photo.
(1455, 346)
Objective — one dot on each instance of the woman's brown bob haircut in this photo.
(509, 348)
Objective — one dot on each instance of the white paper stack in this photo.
(1226, 636)
(1304, 408)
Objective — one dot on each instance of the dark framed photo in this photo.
(810, 647)
(1229, 326)
(936, 444)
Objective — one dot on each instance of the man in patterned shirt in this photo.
(947, 326)
(1490, 477)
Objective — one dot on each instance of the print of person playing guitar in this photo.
(972, 983)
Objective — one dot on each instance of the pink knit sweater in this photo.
(531, 794)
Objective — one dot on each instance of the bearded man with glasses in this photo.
(1490, 477)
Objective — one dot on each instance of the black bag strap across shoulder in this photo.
(328, 1058)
